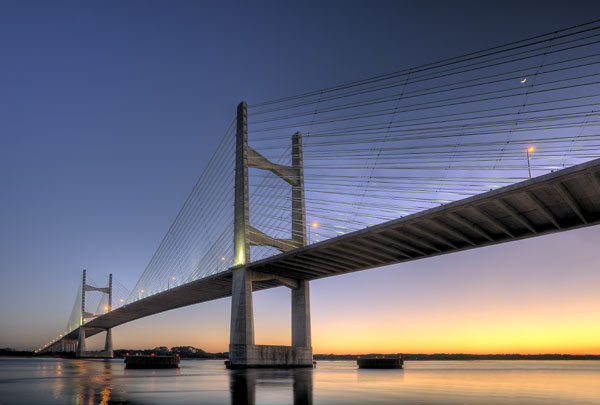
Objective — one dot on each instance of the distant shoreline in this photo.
(202, 355)
(462, 356)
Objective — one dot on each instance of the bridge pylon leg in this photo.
(301, 333)
(108, 344)
(81, 343)
(242, 317)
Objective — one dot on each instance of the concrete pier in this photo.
(108, 344)
(81, 349)
(243, 352)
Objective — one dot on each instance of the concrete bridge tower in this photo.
(243, 352)
(81, 350)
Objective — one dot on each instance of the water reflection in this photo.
(56, 381)
(243, 384)
(92, 384)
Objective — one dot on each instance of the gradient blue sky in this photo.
(110, 110)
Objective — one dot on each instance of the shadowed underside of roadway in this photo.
(559, 201)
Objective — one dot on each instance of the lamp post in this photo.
(169, 282)
(529, 150)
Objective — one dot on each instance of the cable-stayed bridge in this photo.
(490, 147)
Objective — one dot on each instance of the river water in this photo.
(57, 381)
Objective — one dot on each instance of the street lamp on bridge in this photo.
(313, 225)
(529, 150)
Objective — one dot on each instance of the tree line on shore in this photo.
(190, 352)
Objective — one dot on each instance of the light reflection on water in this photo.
(56, 381)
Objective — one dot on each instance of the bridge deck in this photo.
(558, 201)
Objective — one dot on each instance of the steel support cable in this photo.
(374, 129)
(413, 189)
(441, 132)
(396, 150)
(75, 317)
(387, 87)
(420, 180)
(402, 128)
(346, 218)
(525, 97)
(341, 223)
(410, 190)
(210, 257)
(382, 197)
(271, 212)
(358, 165)
(322, 200)
(355, 154)
(426, 136)
(547, 152)
(340, 230)
(256, 200)
(257, 205)
(194, 209)
(579, 133)
(166, 248)
(391, 152)
(372, 168)
(445, 62)
(411, 132)
(435, 89)
(582, 153)
(385, 112)
(387, 180)
(195, 212)
(192, 238)
(454, 103)
(485, 180)
(368, 128)
(323, 214)
(394, 198)
(181, 212)
(420, 188)
(338, 226)
(420, 177)
(185, 263)
(182, 236)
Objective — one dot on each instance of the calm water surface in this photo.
(54, 381)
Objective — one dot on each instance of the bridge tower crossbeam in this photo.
(243, 352)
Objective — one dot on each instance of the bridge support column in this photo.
(108, 344)
(301, 333)
(241, 335)
(81, 343)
